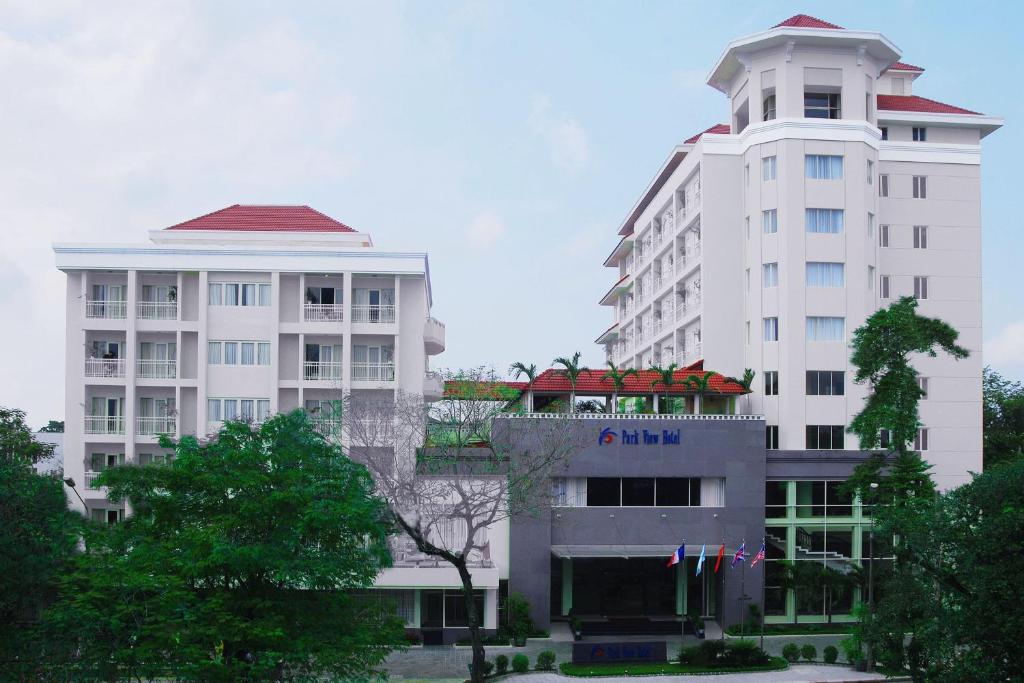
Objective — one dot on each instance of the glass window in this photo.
(920, 237)
(825, 437)
(774, 587)
(230, 409)
(885, 132)
(771, 437)
(263, 353)
(823, 166)
(825, 274)
(824, 220)
(213, 353)
(262, 409)
(216, 294)
(826, 382)
(695, 484)
(455, 613)
(771, 329)
(248, 353)
(825, 328)
(810, 499)
(871, 171)
(638, 491)
(247, 413)
(822, 105)
(920, 287)
(770, 221)
(264, 291)
(603, 492)
(771, 382)
(883, 235)
(920, 134)
(920, 187)
(770, 275)
(230, 353)
(248, 295)
(673, 491)
(883, 185)
(775, 499)
(213, 413)
(230, 295)
(838, 503)
(769, 168)
(769, 108)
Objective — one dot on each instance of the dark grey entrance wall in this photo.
(714, 446)
(813, 464)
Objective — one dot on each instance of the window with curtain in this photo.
(771, 329)
(231, 294)
(230, 409)
(248, 353)
(239, 294)
(824, 274)
(770, 275)
(213, 356)
(248, 295)
(264, 294)
(769, 168)
(263, 353)
(230, 353)
(823, 166)
(770, 221)
(216, 294)
(824, 220)
(213, 412)
(826, 328)
(247, 410)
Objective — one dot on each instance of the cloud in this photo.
(1006, 349)
(485, 229)
(565, 137)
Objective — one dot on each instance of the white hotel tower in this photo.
(242, 313)
(763, 243)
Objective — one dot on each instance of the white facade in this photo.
(763, 243)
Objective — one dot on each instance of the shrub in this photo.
(743, 653)
(791, 652)
(830, 653)
(852, 649)
(809, 652)
(501, 663)
(519, 621)
(488, 667)
(706, 654)
(546, 661)
(520, 663)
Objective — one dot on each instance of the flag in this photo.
(758, 557)
(678, 555)
(718, 560)
(700, 560)
(740, 555)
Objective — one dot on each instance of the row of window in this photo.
(238, 353)
(920, 287)
(832, 437)
(818, 274)
(251, 409)
(819, 328)
(920, 236)
(824, 383)
(919, 133)
(239, 294)
(634, 492)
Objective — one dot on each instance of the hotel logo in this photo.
(607, 436)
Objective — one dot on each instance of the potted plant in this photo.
(576, 626)
(700, 628)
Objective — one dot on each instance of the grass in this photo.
(793, 630)
(657, 669)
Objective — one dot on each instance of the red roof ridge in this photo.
(717, 129)
(916, 103)
(806, 21)
(903, 66)
(264, 218)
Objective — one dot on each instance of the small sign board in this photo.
(619, 653)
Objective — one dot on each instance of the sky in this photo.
(506, 139)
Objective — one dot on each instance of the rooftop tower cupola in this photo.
(803, 68)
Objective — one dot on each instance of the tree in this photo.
(242, 561)
(700, 385)
(54, 427)
(38, 539)
(1003, 418)
(746, 381)
(517, 370)
(618, 379)
(571, 370)
(452, 469)
(667, 378)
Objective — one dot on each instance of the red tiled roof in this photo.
(265, 219)
(717, 129)
(592, 382)
(918, 104)
(806, 21)
(903, 66)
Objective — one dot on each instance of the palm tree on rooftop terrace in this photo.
(517, 370)
(571, 370)
(667, 378)
(618, 378)
(700, 385)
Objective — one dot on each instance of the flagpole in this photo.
(722, 625)
(764, 580)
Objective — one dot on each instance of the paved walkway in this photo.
(797, 673)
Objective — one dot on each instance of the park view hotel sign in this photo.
(639, 437)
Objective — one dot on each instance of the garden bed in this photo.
(658, 669)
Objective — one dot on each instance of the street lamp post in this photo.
(71, 485)
(871, 582)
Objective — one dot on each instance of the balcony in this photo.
(326, 426)
(433, 386)
(104, 424)
(321, 371)
(152, 426)
(156, 369)
(373, 315)
(433, 336)
(373, 372)
(90, 481)
(104, 367)
(112, 310)
(156, 310)
(323, 313)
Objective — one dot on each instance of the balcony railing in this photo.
(373, 372)
(326, 426)
(373, 314)
(156, 310)
(104, 424)
(323, 313)
(156, 369)
(90, 479)
(150, 426)
(104, 367)
(106, 309)
(314, 370)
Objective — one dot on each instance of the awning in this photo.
(613, 550)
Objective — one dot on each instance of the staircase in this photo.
(833, 560)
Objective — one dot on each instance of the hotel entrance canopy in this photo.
(617, 550)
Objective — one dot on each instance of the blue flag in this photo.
(700, 560)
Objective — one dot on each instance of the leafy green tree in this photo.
(667, 379)
(37, 540)
(242, 561)
(618, 380)
(517, 370)
(54, 427)
(571, 370)
(1003, 418)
